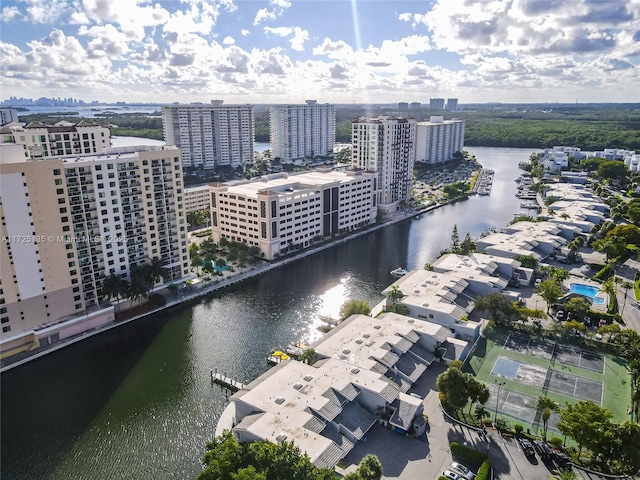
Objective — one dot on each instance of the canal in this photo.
(137, 401)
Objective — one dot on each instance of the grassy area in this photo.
(616, 381)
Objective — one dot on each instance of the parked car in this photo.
(452, 475)
(561, 458)
(560, 315)
(542, 448)
(458, 467)
(527, 447)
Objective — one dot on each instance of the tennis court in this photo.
(529, 346)
(548, 379)
(579, 358)
(556, 353)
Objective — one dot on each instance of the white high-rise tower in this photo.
(302, 131)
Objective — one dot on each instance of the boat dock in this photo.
(226, 382)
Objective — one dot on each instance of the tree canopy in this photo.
(353, 307)
(227, 459)
(457, 387)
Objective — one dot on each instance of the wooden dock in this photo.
(226, 382)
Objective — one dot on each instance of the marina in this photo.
(484, 182)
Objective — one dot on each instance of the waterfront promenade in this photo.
(202, 289)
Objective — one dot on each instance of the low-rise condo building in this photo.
(281, 212)
(538, 244)
(363, 370)
(508, 269)
(444, 298)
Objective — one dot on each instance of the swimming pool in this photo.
(586, 291)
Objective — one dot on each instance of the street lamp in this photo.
(500, 384)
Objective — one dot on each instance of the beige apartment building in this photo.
(60, 139)
(280, 212)
(67, 223)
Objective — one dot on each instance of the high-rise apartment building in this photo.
(62, 138)
(452, 104)
(281, 212)
(8, 115)
(68, 223)
(386, 145)
(438, 139)
(302, 131)
(210, 135)
(436, 104)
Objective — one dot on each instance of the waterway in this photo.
(137, 401)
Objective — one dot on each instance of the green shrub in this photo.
(468, 453)
(555, 442)
(484, 472)
(518, 428)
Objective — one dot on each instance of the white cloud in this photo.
(9, 13)
(339, 50)
(228, 41)
(279, 31)
(299, 37)
(244, 32)
(266, 14)
(46, 12)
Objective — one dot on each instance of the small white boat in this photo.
(399, 272)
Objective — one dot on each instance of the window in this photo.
(56, 171)
(6, 329)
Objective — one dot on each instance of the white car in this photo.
(458, 467)
(452, 475)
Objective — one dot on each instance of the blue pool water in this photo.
(586, 291)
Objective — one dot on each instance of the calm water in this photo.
(137, 402)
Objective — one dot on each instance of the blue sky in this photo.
(339, 51)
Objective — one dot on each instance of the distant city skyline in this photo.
(351, 51)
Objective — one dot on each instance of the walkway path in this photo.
(205, 288)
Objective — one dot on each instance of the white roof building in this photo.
(281, 212)
(538, 244)
(363, 370)
(446, 298)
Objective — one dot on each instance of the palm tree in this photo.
(114, 286)
(395, 294)
(308, 356)
(546, 406)
(140, 284)
(155, 271)
(481, 414)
